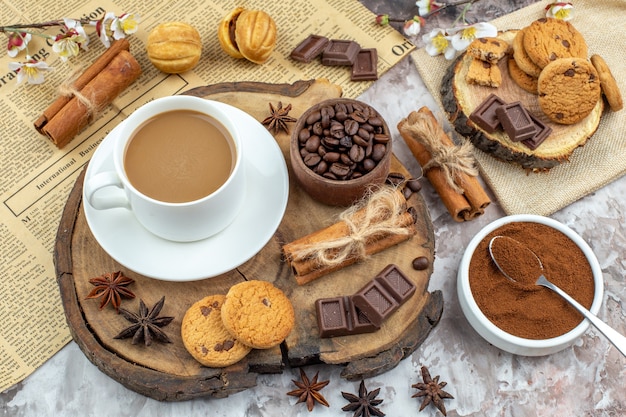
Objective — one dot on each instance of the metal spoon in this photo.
(618, 340)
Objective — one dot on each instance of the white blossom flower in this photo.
(103, 28)
(426, 6)
(126, 24)
(68, 44)
(437, 43)
(31, 69)
(17, 42)
(76, 25)
(463, 36)
(560, 10)
(414, 26)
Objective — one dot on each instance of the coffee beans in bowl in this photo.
(339, 149)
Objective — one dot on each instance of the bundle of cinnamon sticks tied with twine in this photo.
(450, 168)
(379, 221)
(83, 96)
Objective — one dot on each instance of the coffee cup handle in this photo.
(112, 200)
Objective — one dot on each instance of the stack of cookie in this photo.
(550, 59)
(220, 330)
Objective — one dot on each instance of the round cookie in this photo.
(549, 39)
(525, 81)
(522, 59)
(608, 83)
(569, 89)
(258, 314)
(205, 336)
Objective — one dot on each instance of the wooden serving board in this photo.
(167, 371)
(460, 99)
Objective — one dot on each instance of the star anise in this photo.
(146, 325)
(308, 391)
(431, 390)
(111, 287)
(278, 118)
(365, 404)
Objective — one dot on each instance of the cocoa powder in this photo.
(522, 308)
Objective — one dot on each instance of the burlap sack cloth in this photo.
(600, 161)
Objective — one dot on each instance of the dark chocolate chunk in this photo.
(338, 316)
(516, 121)
(420, 263)
(340, 52)
(310, 48)
(375, 302)
(485, 114)
(541, 134)
(396, 283)
(365, 65)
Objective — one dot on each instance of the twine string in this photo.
(383, 209)
(454, 161)
(67, 89)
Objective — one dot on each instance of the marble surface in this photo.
(584, 380)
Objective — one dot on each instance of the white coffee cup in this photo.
(177, 221)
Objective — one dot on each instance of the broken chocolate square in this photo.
(541, 134)
(485, 114)
(340, 52)
(516, 121)
(310, 48)
(365, 65)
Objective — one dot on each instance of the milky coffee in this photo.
(179, 156)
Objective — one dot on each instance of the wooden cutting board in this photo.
(166, 371)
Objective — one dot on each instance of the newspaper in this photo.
(36, 177)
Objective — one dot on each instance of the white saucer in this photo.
(126, 241)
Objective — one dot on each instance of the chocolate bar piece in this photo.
(383, 295)
(516, 121)
(338, 316)
(485, 114)
(340, 52)
(396, 283)
(543, 131)
(365, 65)
(310, 48)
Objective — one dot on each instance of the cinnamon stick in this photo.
(89, 74)
(309, 269)
(463, 206)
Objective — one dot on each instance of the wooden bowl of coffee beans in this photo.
(339, 149)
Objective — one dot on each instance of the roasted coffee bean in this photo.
(367, 127)
(317, 129)
(328, 111)
(340, 108)
(345, 142)
(312, 159)
(395, 178)
(357, 153)
(359, 140)
(414, 185)
(368, 165)
(325, 123)
(420, 263)
(339, 170)
(337, 130)
(330, 142)
(303, 135)
(341, 116)
(345, 159)
(378, 152)
(375, 121)
(330, 175)
(407, 193)
(358, 116)
(316, 116)
(312, 143)
(332, 156)
(321, 167)
(351, 127)
(381, 138)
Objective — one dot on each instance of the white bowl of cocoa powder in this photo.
(524, 319)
